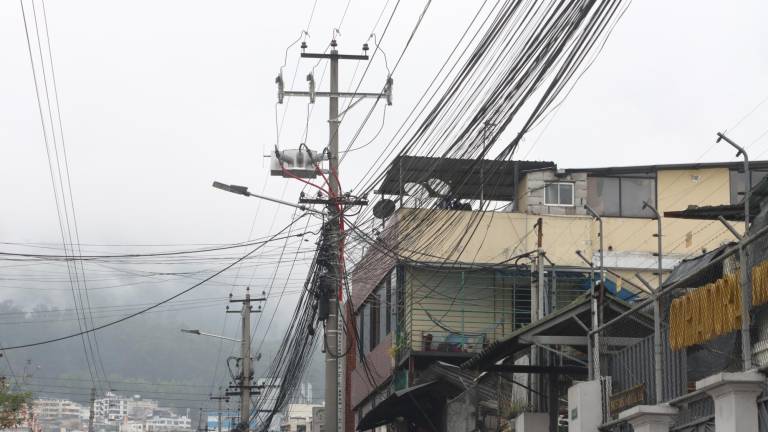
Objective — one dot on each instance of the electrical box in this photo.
(585, 406)
(301, 162)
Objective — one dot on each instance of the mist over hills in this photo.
(146, 355)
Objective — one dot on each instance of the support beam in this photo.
(579, 340)
(533, 369)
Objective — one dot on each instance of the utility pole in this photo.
(93, 407)
(222, 398)
(244, 386)
(335, 204)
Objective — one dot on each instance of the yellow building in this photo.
(445, 279)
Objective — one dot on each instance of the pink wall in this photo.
(380, 364)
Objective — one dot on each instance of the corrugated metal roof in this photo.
(466, 178)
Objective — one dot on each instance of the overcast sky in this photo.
(160, 98)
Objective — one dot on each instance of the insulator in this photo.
(365, 47)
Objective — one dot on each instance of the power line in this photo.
(109, 324)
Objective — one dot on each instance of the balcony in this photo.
(455, 314)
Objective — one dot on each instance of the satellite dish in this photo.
(384, 208)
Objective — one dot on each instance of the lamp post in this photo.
(592, 281)
(595, 366)
(746, 283)
(657, 308)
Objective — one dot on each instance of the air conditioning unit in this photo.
(301, 162)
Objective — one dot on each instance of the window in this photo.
(365, 333)
(558, 194)
(635, 191)
(737, 183)
(374, 327)
(361, 330)
(603, 195)
(621, 196)
(387, 300)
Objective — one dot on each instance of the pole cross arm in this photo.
(312, 94)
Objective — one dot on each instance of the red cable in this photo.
(292, 175)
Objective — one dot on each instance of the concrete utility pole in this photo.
(221, 399)
(333, 396)
(244, 382)
(746, 279)
(91, 414)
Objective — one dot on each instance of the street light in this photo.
(243, 190)
(199, 333)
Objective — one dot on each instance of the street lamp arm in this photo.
(200, 333)
(243, 190)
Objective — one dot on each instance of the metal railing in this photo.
(711, 290)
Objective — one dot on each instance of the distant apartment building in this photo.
(112, 413)
(111, 408)
(298, 418)
(49, 410)
(318, 419)
(157, 424)
(141, 408)
(229, 419)
(444, 280)
(168, 423)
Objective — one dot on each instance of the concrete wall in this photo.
(466, 236)
(534, 193)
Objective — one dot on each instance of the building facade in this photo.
(446, 281)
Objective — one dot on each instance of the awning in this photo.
(402, 403)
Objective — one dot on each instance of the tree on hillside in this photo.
(13, 405)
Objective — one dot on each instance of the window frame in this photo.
(559, 183)
(637, 176)
(737, 197)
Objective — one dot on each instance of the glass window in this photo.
(603, 195)
(566, 193)
(621, 196)
(559, 194)
(364, 332)
(381, 299)
(361, 332)
(374, 328)
(388, 301)
(635, 191)
(737, 183)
